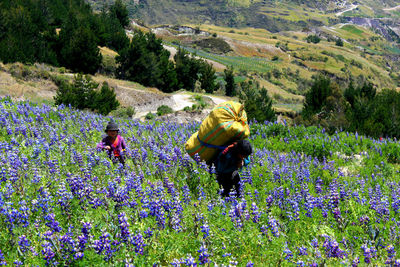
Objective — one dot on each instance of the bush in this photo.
(163, 110)
(313, 39)
(83, 94)
(275, 58)
(150, 116)
(124, 112)
(339, 42)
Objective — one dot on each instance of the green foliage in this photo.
(257, 103)
(28, 32)
(207, 77)
(339, 42)
(26, 35)
(229, 78)
(118, 9)
(315, 98)
(105, 100)
(111, 30)
(82, 94)
(313, 39)
(123, 112)
(146, 61)
(163, 110)
(187, 68)
(150, 116)
(79, 50)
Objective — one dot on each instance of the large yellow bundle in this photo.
(226, 123)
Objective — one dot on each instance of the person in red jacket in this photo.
(227, 164)
(113, 143)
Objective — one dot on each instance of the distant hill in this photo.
(274, 16)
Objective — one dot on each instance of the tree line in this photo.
(60, 32)
(357, 108)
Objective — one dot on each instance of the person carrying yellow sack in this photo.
(221, 141)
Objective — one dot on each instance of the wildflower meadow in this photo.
(309, 198)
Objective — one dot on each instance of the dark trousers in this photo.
(229, 181)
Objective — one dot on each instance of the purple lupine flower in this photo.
(355, 262)
(190, 261)
(48, 253)
(204, 256)
(23, 243)
(250, 264)
(391, 254)
(367, 253)
(206, 230)
(124, 226)
(138, 241)
(289, 254)
(2, 259)
(314, 243)
(302, 251)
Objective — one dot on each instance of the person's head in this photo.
(243, 148)
(112, 129)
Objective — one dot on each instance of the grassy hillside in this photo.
(271, 15)
(284, 63)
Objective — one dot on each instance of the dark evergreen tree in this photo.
(350, 93)
(187, 69)
(230, 86)
(257, 103)
(315, 98)
(119, 10)
(78, 49)
(105, 100)
(83, 94)
(147, 62)
(339, 42)
(207, 77)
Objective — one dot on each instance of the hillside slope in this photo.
(271, 15)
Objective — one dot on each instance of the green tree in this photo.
(315, 98)
(119, 10)
(110, 32)
(146, 61)
(207, 77)
(82, 93)
(313, 39)
(186, 68)
(78, 47)
(257, 103)
(105, 100)
(229, 78)
(339, 42)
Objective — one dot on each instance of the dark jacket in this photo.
(228, 161)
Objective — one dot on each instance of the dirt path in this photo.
(392, 8)
(178, 102)
(350, 8)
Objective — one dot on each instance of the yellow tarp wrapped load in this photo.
(226, 123)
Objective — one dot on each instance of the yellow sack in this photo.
(226, 123)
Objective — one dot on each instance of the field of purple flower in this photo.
(310, 199)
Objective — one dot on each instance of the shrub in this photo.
(163, 110)
(124, 112)
(313, 39)
(83, 94)
(339, 42)
(150, 116)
